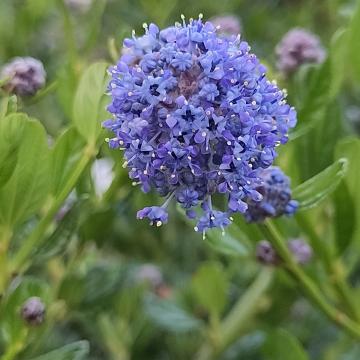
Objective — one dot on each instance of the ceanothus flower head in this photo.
(23, 76)
(196, 116)
(297, 47)
(276, 197)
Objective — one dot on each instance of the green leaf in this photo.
(344, 217)
(11, 136)
(12, 325)
(169, 316)
(58, 242)
(354, 36)
(76, 351)
(313, 191)
(316, 81)
(27, 188)
(280, 344)
(89, 104)
(350, 148)
(338, 58)
(64, 156)
(210, 286)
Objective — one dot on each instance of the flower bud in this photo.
(276, 197)
(23, 76)
(266, 254)
(301, 250)
(33, 311)
(298, 47)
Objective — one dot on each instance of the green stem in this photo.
(37, 236)
(333, 268)
(5, 236)
(14, 348)
(308, 286)
(235, 322)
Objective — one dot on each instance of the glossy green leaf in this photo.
(27, 188)
(76, 351)
(89, 104)
(11, 137)
(280, 344)
(169, 316)
(210, 286)
(64, 156)
(313, 191)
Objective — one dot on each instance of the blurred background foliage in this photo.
(115, 288)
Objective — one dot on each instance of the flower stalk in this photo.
(237, 319)
(307, 285)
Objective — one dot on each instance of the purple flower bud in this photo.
(33, 311)
(301, 250)
(196, 116)
(298, 47)
(266, 254)
(276, 197)
(227, 24)
(24, 76)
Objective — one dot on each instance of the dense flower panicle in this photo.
(195, 116)
(33, 311)
(227, 24)
(298, 47)
(301, 250)
(276, 197)
(23, 76)
(266, 254)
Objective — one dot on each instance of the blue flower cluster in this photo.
(276, 197)
(195, 116)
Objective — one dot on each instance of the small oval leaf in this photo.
(281, 342)
(89, 106)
